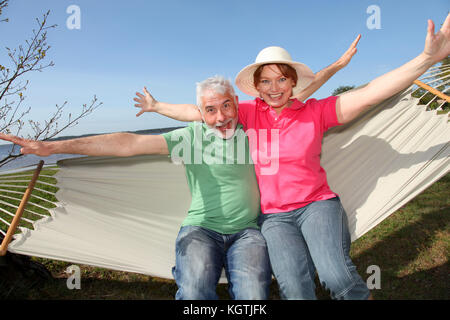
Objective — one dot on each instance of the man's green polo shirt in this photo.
(220, 175)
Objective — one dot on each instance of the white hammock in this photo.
(124, 213)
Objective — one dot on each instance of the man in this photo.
(220, 230)
(221, 227)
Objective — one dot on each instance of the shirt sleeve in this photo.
(326, 108)
(246, 110)
(178, 141)
(242, 117)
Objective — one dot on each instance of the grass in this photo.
(411, 248)
(35, 203)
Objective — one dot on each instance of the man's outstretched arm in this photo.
(325, 74)
(181, 112)
(115, 144)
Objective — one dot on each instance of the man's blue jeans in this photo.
(312, 237)
(202, 253)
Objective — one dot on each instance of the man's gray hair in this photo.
(217, 84)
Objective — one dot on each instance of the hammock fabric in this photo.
(125, 213)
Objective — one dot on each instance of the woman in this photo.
(303, 220)
(304, 223)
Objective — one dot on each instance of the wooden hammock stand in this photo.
(432, 90)
(15, 222)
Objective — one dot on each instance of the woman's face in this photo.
(274, 88)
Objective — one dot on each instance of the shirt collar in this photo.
(297, 104)
(209, 132)
(262, 106)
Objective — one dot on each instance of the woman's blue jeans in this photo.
(309, 238)
(202, 253)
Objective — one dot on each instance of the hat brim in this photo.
(244, 79)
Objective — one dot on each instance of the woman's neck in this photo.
(279, 109)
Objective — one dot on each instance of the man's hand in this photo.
(39, 148)
(348, 55)
(146, 102)
(180, 112)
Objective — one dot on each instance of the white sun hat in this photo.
(244, 79)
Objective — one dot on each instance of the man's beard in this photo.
(228, 132)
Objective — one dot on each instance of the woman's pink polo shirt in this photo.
(286, 151)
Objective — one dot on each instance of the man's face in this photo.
(220, 113)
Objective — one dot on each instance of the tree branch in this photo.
(23, 59)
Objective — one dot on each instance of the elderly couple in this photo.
(293, 225)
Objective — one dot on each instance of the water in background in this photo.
(31, 159)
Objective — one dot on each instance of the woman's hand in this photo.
(326, 73)
(348, 55)
(437, 46)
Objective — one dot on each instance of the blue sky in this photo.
(170, 45)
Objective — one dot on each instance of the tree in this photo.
(30, 57)
(341, 89)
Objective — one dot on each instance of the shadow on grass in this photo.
(404, 259)
(97, 289)
(404, 272)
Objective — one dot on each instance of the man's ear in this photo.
(200, 110)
